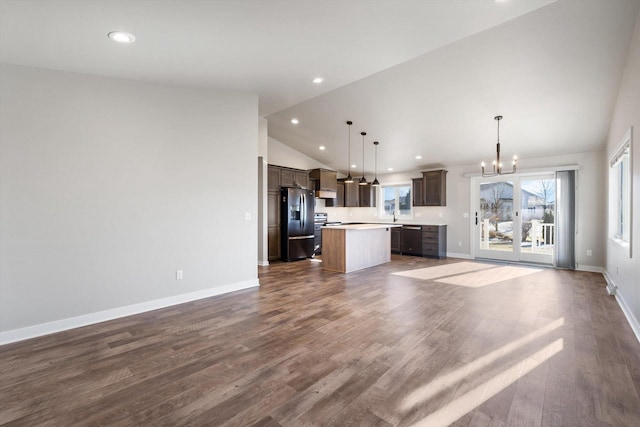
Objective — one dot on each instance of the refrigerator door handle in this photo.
(304, 209)
(302, 237)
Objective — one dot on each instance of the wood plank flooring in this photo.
(463, 345)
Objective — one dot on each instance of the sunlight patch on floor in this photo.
(464, 404)
(445, 381)
(430, 273)
(491, 276)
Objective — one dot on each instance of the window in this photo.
(620, 194)
(396, 200)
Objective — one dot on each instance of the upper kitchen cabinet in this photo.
(435, 188)
(326, 183)
(338, 201)
(287, 177)
(352, 194)
(279, 176)
(273, 178)
(418, 191)
(301, 179)
(367, 196)
(431, 189)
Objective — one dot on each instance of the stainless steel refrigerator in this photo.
(296, 223)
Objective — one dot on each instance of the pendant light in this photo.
(349, 178)
(375, 182)
(363, 180)
(497, 164)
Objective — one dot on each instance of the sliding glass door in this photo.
(514, 218)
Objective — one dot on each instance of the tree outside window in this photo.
(396, 200)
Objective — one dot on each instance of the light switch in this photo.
(465, 215)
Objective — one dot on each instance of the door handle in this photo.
(476, 218)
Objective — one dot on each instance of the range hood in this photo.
(325, 194)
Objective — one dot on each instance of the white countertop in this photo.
(361, 226)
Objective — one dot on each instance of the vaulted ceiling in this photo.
(422, 77)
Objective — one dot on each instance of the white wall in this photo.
(625, 271)
(589, 199)
(283, 155)
(263, 223)
(109, 186)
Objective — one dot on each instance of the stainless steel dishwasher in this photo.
(411, 240)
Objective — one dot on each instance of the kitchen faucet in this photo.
(393, 212)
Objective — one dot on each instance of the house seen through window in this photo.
(620, 194)
(396, 200)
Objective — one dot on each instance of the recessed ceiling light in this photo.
(294, 121)
(354, 166)
(389, 169)
(418, 157)
(122, 37)
(500, 1)
(318, 80)
(322, 147)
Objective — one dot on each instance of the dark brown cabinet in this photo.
(351, 194)
(338, 201)
(434, 241)
(287, 177)
(325, 179)
(435, 188)
(273, 178)
(301, 179)
(367, 196)
(418, 191)
(422, 240)
(395, 240)
(273, 224)
(431, 189)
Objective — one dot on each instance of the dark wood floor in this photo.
(466, 344)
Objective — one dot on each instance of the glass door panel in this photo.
(498, 223)
(538, 211)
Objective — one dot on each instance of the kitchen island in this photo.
(352, 247)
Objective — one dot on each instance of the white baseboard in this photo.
(263, 263)
(21, 334)
(635, 325)
(633, 322)
(590, 268)
(458, 255)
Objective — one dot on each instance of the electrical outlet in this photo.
(465, 215)
(589, 252)
(459, 243)
(440, 214)
(179, 275)
(418, 214)
(247, 216)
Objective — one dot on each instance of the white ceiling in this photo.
(553, 74)
(422, 77)
(270, 47)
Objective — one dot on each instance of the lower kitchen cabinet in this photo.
(434, 241)
(422, 240)
(395, 240)
(274, 243)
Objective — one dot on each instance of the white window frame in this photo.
(620, 193)
(381, 212)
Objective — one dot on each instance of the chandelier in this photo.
(497, 164)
